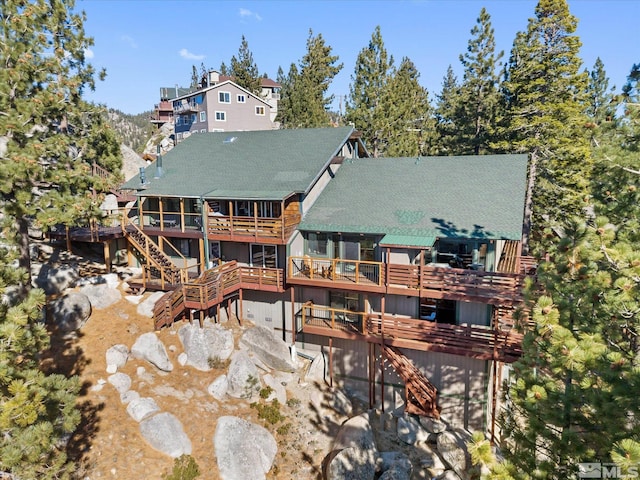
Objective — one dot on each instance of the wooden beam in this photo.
(107, 255)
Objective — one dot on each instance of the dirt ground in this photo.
(108, 443)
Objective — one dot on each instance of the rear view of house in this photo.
(404, 272)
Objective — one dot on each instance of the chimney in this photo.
(159, 171)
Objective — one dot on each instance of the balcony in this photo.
(347, 274)
(494, 288)
(475, 341)
(251, 229)
(185, 107)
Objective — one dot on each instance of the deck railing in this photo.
(333, 318)
(211, 288)
(427, 280)
(476, 341)
(258, 227)
(336, 270)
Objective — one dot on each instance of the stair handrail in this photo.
(183, 271)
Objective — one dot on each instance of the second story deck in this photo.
(496, 288)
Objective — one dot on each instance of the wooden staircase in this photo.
(156, 259)
(420, 393)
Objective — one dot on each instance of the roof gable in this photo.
(467, 197)
(218, 86)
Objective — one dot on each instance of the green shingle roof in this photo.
(265, 164)
(424, 198)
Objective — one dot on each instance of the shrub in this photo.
(184, 468)
(269, 412)
(265, 392)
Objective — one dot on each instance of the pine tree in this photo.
(545, 95)
(575, 395)
(195, 78)
(371, 75)
(410, 128)
(479, 97)
(244, 70)
(49, 139)
(447, 106)
(303, 101)
(601, 107)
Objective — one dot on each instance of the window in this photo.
(203, 116)
(178, 120)
(224, 97)
(179, 136)
(264, 256)
(268, 209)
(185, 119)
(244, 208)
(221, 117)
(349, 301)
(317, 244)
(259, 110)
(241, 98)
(194, 118)
(204, 130)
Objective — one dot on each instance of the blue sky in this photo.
(148, 44)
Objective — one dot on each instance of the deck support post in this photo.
(240, 305)
(107, 255)
(372, 375)
(382, 305)
(66, 228)
(331, 362)
(494, 392)
(293, 315)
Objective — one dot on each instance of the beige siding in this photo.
(473, 313)
(315, 191)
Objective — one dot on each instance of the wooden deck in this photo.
(251, 229)
(213, 287)
(474, 341)
(494, 288)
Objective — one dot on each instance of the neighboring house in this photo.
(163, 111)
(221, 106)
(411, 261)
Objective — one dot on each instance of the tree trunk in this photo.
(528, 203)
(24, 259)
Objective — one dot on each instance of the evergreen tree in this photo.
(244, 70)
(303, 101)
(49, 138)
(545, 96)
(317, 69)
(195, 78)
(287, 109)
(479, 97)
(575, 396)
(601, 107)
(223, 69)
(410, 128)
(370, 78)
(447, 106)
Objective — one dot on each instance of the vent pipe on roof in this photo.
(159, 171)
(143, 178)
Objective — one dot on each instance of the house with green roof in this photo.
(410, 262)
(421, 254)
(235, 196)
